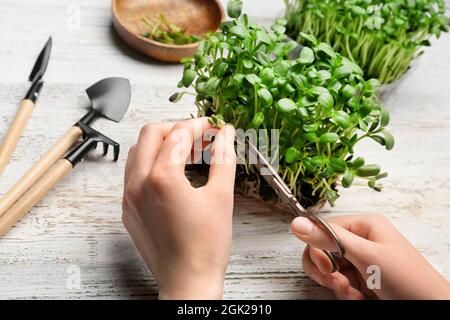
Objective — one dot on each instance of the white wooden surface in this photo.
(79, 223)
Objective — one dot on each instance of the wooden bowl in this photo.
(197, 16)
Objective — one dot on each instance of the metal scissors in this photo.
(284, 192)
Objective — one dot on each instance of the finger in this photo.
(333, 281)
(177, 147)
(198, 149)
(223, 161)
(351, 294)
(129, 164)
(309, 267)
(151, 138)
(324, 263)
(321, 260)
(365, 226)
(357, 249)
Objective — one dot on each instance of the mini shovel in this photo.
(61, 169)
(110, 98)
(26, 106)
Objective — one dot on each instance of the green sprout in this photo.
(382, 36)
(319, 102)
(164, 31)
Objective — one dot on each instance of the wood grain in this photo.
(11, 139)
(79, 222)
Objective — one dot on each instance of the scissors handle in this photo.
(284, 192)
(340, 248)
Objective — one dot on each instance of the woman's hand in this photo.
(369, 240)
(183, 233)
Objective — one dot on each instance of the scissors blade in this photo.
(268, 172)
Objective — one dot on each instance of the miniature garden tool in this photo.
(61, 169)
(26, 106)
(110, 98)
(284, 192)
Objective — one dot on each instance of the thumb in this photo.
(223, 162)
(357, 249)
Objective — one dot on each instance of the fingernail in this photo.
(303, 225)
(229, 130)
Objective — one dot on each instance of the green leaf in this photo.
(318, 161)
(338, 165)
(385, 117)
(201, 61)
(324, 75)
(389, 140)
(373, 84)
(187, 60)
(282, 68)
(292, 155)
(310, 127)
(369, 170)
(286, 105)
(306, 56)
(221, 69)
(289, 47)
(253, 79)
(342, 119)
(325, 49)
(310, 38)
(258, 119)
(347, 179)
(348, 91)
(212, 85)
(238, 79)
(331, 196)
(230, 92)
(299, 80)
(330, 137)
(262, 36)
(267, 76)
(266, 97)
(380, 140)
(240, 31)
(188, 77)
(326, 100)
(357, 163)
(311, 136)
(247, 64)
(234, 8)
(200, 87)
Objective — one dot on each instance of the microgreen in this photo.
(381, 36)
(164, 31)
(319, 102)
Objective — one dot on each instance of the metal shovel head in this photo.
(110, 97)
(40, 66)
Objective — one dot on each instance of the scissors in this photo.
(284, 192)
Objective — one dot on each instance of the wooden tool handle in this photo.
(39, 168)
(15, 131)
(34, 195)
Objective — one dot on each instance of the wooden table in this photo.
(78, 227)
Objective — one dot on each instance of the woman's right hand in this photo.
(373, 245)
